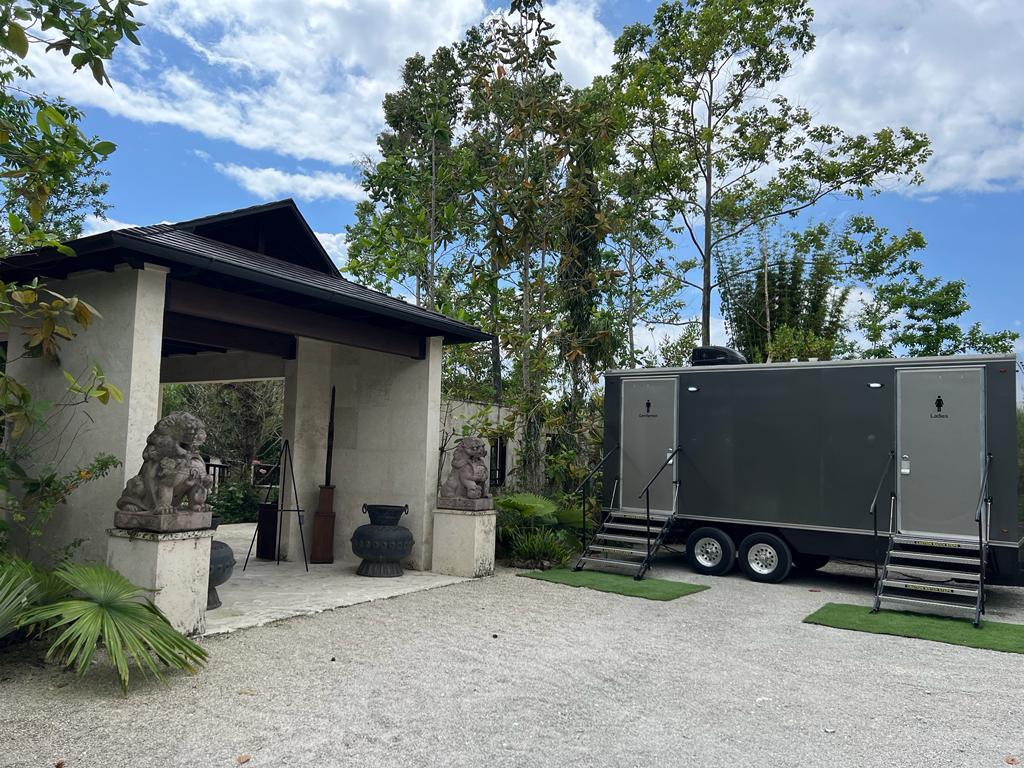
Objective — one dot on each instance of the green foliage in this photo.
(534, 531)
(18, 591)
(243, 419)
(50, 171)
(540, 548)
(235, 503)
(709, 136)
(108, 611)
(786, 294)
(38, 496)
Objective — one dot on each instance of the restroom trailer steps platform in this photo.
(929, 573)
(624, 542)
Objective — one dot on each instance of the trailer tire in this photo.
(765, 557)
(809, 562)
(711, 551)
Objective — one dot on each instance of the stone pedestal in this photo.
(176, 565)
(464, 538)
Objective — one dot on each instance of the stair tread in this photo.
(621, 550)
(609, 561)
(938, 573)
(925, 601)
(623, 537)
(936, 542)
(655, 527)
(936, 557)
(660, 516)
(930, 587)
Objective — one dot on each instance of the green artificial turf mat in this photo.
(650, 589)
(993, 635)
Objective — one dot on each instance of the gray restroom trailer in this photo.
(783, 463)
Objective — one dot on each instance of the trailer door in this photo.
(649, 428)
(940, 451)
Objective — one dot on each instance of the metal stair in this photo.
(628, 540)
(929, 572)
(621, 543)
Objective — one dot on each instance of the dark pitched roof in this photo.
(183, 245)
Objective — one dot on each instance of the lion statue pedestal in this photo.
(169, 493)
(465, 520)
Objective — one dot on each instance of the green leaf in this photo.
(105, 148)
(17, 40)
(109, 610)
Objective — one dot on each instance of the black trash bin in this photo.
(266, 534)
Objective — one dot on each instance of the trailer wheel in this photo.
(765, 557)
(710, 551)
(809, 562)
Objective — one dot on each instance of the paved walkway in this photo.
(515, 672)
(267, 591)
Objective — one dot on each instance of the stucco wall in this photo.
(125, 342)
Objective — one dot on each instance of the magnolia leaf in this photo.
(17, 40)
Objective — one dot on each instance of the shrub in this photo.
(105, 609)
(541, 548)
(235, 503)
(534, 531)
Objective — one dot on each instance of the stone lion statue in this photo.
(469, 473)
(172, 470)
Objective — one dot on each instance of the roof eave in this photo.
(452, 331)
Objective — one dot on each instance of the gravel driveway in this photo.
(516, 672)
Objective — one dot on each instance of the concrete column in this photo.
(125, 342)
(386, 441)
(307, 401)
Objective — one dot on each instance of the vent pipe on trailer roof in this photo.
(716, 356)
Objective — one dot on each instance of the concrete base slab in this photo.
(166, 523)
(464, 542)
(175, 565)
(266, 592)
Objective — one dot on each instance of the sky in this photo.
(229, 103)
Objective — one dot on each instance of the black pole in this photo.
(330, 441)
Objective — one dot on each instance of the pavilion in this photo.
(242, 295)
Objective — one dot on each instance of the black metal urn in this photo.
(383, 543)
(222, 563)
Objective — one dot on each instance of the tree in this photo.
(243, 419)
(791, 304)
(49, 167)
(719, 150)
(789, 294)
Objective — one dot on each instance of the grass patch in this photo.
(992, 635)
(649, 589)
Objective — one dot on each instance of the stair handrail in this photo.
(646, 494)
(582, 487)
(981, 517)
(873, 510)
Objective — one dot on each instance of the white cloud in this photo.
(306, 80)
(93, 225)
(335, 244)
(950, 69)
(586, 44)
(270, 183)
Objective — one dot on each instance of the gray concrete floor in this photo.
(509, 671)
(268, 591)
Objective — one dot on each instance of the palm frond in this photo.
(108, 609)
(18, 591)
